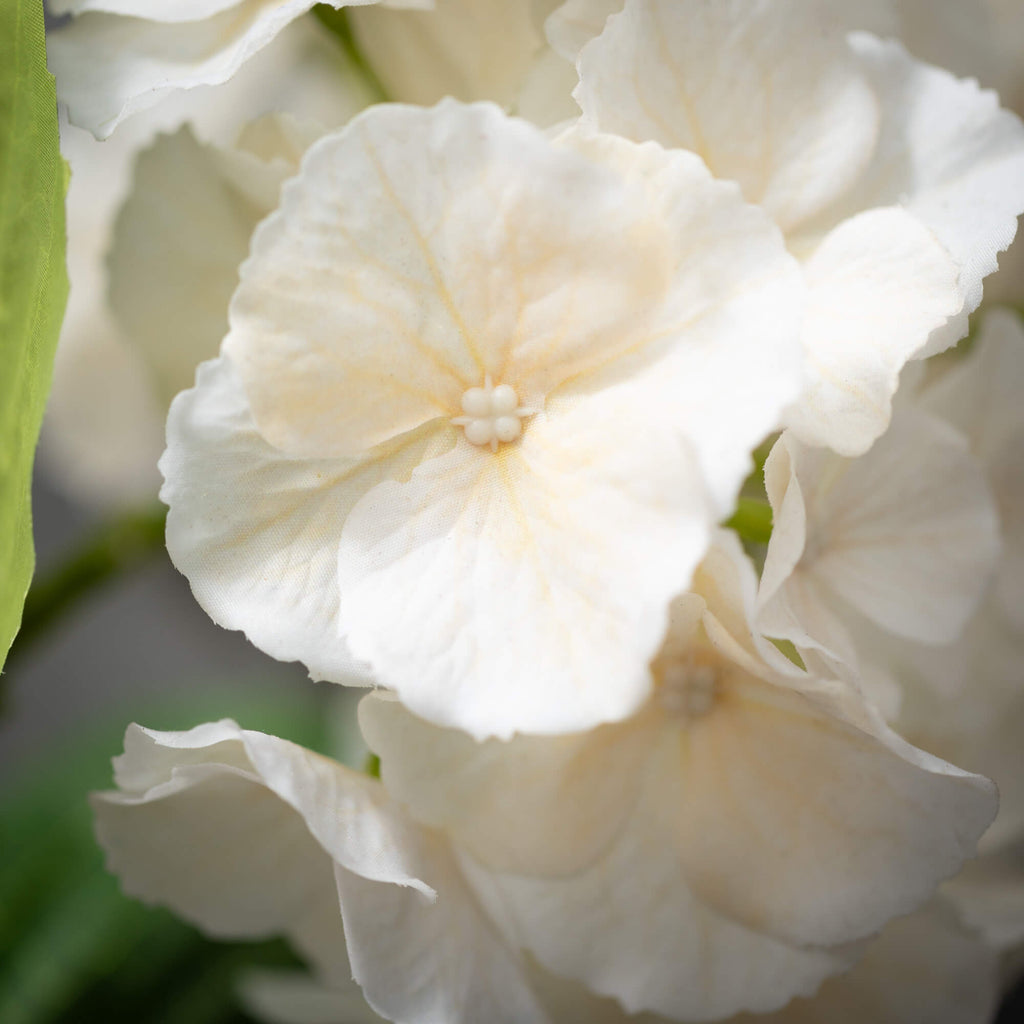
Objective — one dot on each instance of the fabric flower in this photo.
(895, 184)
(117, 57)
(748, 820)
(606, 855)
(482, 400)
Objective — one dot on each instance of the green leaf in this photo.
(33, 283)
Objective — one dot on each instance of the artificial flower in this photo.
(117, 57)
(605, 856)
(482, 400)
(896, 184)
(694, 828)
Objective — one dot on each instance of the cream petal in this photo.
(878, 285)
(362, 312)
(989, 896)
(292, 997)
(722, 350)
(433, 962)
(178, 242)
(109, 66)
(469, 49)
(256, 532)
(831, 829)
(236, 832)
(767, 94)
(248, 835)
(907, 535)
(535, 580)
(923, 969)
(631, 928)
(532, 805)
(572, 25)
(980, 395)
(951, 157)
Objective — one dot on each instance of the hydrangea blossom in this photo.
(482, 400)
(896, 184)
(117, 57)
(588, 851)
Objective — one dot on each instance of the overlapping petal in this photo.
(116, 58)
(535, 581)
(255, 530)
(906, 534)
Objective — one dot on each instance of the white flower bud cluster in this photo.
(657, 734)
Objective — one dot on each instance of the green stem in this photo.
(752, 520)
(112, 550)
(337, 23)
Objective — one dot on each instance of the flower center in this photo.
(493, 414)
(688, 690)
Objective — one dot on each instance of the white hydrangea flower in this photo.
(896, 184)
(924, 967)
(877, 560)
(172, 199)
(905, 535)
(248, 836)
(708, 854)
(482, 400)
(965, 700)
(117, 57)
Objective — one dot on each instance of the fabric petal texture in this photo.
(539, 451)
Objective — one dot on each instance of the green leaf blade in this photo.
(33, 284)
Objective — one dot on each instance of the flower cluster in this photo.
(630, 420)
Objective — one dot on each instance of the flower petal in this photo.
(907, 534)
(469, 49)
(531, 805)
(949, 155)
(831, 830)
(534, 581)
(766, 93)
(630, 927)
(878, 285)
(363, 311)
(255, 531)
(923, 969)
(236, 831)
(421, 961)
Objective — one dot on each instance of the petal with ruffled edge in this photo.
(907, 535)
(256, 531)
(981, 396)
(231, 829)
(877, 286)
(801, 816)
(420, 252)
(109, 66)
(951, 157)
(241, 833)
(767, 94)
(537, 805)
(528, 574)
(630, 927)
